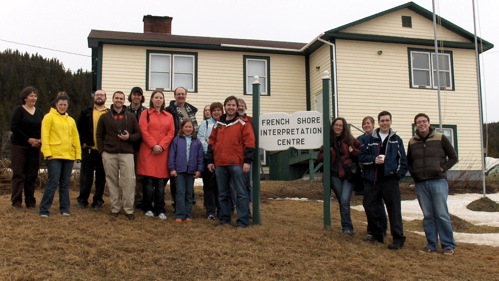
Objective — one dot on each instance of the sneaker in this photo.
(162, 216)
(44, 216)
(210, 217)
(449, 252)
(395, 246)
(188, 219)
(348, 232)
(130, 217)
(178, 220)
(115, 215)
(149, 214)
(65, 214)
(427, 250)
(81, 205)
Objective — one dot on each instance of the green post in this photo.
(326, 84)
(256, 162)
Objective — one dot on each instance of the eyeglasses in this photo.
(181, 94)
(100, 95)
(422, 122)
(338, 125)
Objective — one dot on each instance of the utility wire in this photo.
(60, 51)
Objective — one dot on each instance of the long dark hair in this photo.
(346, 135)
(151, 104)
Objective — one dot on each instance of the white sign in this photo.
(280, 131)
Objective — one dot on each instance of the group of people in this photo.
(137, 149)
(382, 157)
(141, 149)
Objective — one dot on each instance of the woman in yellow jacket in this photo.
(60, 147)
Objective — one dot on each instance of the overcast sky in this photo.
(59, 28)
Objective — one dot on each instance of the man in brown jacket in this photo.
(430, 154)
(117, 130)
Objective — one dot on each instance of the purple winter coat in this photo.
(177, 157)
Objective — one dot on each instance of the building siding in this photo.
(391, 25)
(220, 74)
(320, 58)
(369, 83)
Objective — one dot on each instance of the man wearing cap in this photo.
(136, 99)
(91, 159)
(180, 109)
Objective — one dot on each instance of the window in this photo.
(168, 71)
(450, 131)
(406, 21)
(257, 66)
(423, 67)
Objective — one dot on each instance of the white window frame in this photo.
(172, 73)
(431, 70)
(265, 87)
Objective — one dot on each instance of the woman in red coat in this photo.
(158, 131)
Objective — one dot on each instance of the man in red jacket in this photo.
(230, 154)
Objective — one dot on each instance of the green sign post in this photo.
(256, 161)
(326, 84)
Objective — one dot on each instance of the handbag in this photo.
(351, 170)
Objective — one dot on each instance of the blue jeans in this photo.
(59, 172)
(432, 196)
(343, 191)
(225, 175)
(184, 194)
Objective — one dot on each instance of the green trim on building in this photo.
(424, 13)
(431, 51)
(148, 52)
(163, 44)
(308, 98)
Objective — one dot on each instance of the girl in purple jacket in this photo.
(185, 162)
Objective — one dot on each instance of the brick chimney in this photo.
(154, 24)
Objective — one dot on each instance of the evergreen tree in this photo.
(49, 76)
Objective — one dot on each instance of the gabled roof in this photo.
(97, 37)
(336, 33)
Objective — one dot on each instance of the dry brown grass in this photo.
(291, 244)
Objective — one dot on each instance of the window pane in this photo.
(420, 60)
(160, 80)
(183, 64)
(160, 63)
(444, 79)
(256, 68)
(263, 86)
(443, 62)
(183, 80)
(421, 78)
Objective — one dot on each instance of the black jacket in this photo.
(85, 125)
